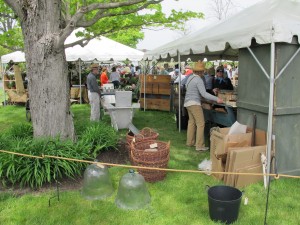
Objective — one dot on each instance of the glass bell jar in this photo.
(96, 182)
(132, 192)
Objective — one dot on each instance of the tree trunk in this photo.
(49, 90)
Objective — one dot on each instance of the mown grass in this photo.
(180, 199)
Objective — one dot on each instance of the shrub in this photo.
(99, 136)
(21, 130)
(35, 172)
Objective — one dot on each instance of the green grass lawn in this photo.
(180, 199)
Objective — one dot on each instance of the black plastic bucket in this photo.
(224, 203)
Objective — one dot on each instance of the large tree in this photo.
(45, 26)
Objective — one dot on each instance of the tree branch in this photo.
(100, 15)
(16, 7)
(3, 15)
(11, 48)
(82, 42)
(95, 6)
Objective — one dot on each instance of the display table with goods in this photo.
(14, 87)
(76, 95)
(221, 114)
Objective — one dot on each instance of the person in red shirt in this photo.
(103, 76)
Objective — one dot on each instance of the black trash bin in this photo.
(224, 203)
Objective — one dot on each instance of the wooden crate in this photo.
(158, 104)
(158, 92)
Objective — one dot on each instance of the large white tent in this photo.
(100, 49)
(267, 22)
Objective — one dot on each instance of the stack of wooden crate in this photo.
(155, 92)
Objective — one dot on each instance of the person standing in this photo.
(220, 82)
(195, 89)
(94, 92)
(115, 78)
(103, 76)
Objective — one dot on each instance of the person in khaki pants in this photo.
(94, 92)
(195, 89)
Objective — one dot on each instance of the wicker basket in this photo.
(138, 150)
(152, 175)
(145, 134)
(159, 158)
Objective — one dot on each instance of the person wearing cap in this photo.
(221, 82)
(94, 92)
(195, 89)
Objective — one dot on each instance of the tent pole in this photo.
(287, 64)
(271, 108)
(179, 94)
(3, 72)
(80, 97)
(257, 61)
(145, 88)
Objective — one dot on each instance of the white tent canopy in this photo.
(260, 21)
(100, 49)
(17, 56)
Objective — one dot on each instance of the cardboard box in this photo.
(246, 160)
(217, 165)
(220, 140)
(232, 160)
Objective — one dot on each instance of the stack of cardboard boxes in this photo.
(234, 153)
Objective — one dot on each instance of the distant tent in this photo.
(100, 49)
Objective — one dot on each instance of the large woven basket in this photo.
(152, 175)
(159, 159)
(139, 150)
(145, 134)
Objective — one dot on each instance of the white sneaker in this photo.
(203, 149)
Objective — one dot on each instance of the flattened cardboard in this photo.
(218, 165)
(242, 158)
(244, 180)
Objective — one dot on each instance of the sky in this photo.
(155, 38)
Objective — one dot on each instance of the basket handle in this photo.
(147, 129)
(169, 142)
(138, 137)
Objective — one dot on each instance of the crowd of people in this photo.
(198, 82)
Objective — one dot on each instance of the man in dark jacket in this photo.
(221, 83)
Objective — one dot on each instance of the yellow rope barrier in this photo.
(276, 176)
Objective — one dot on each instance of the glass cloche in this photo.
(132, 192)
(96, 182)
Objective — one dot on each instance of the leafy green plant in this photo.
(20, 130)
(99, 136)
(34, 172)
